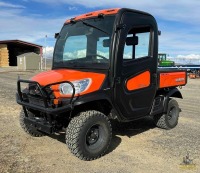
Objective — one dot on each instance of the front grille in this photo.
(36, 101)
(34, 90)
(49, 92)
(33, 95)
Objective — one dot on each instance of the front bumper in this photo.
(39, 125)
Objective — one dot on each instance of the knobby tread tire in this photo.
(26, 128)
(76, 126)
(161, 120)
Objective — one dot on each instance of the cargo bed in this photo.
(171, 78)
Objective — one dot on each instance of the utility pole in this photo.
(45, 58)
(41, 61)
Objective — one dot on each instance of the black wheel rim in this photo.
(92, 135)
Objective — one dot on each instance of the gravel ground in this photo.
(137, 147)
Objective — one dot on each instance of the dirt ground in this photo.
(137, 147)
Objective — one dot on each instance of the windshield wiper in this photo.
(94, 27)
(87, 24)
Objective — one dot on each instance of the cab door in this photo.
(135, 65)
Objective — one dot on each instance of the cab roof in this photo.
(95, 14)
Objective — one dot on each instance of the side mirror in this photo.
(130, 41)
(106, 43)
(56, 35)
(159, 33)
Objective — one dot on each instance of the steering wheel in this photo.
(104, 58)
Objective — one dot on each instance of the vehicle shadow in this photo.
(133, 128)
(129, 129)
(58, 136)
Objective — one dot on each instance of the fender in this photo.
(92, 97)
(163, 97)
(172, 93)
(99, 100)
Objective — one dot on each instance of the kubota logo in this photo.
(180, 80)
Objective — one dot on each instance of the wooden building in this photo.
(29, 61)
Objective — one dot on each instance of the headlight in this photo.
(80, 86)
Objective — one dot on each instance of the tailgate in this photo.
(169, 78)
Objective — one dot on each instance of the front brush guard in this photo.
(46, 109)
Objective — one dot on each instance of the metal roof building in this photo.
(10, 49)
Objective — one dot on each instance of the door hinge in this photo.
(116, 80)
(154, 81)
(120, 26)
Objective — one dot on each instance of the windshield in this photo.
(84, 44)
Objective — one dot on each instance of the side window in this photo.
(137, 44)
(103, 45)
(142, 49)
(128, 50)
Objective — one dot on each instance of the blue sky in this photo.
(31, 20)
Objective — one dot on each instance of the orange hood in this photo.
(60, 75)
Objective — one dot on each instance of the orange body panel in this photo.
(140, 81)
(171, 79)
(96, 13)
(60, 75)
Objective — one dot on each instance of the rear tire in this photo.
(88, 135)
(30, 130)
(170, 119)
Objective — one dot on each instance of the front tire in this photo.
(170, 119)
(30, 130)
(88, 135)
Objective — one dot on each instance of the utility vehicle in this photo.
(105, 66)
